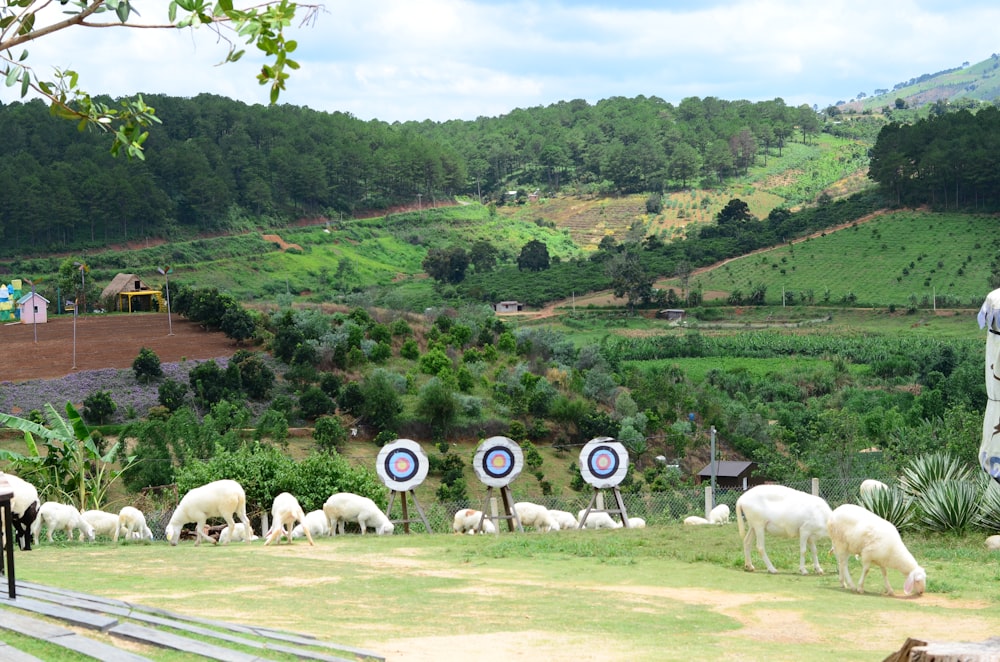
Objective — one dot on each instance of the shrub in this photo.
(146, 366)
(98, 407)
(950, 505)
(171, 394)
(892, 504)
(329, 434)
(314, 403)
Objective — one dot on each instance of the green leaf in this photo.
(123, 11)
(12, 75)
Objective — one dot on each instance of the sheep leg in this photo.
(816, 566)
(200, 531)
(246, 525)
(747, 542)
(843, 571)
(865, 566)
(763, 552)
(305, 528)
(363, 523)
(885, 578)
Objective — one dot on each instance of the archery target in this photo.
(498, 461)
(603, 462)
(402, 465)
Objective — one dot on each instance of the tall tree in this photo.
(534, 256)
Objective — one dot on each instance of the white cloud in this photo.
(398, 60)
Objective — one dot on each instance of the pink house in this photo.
(33, 308)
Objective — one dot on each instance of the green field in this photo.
(902, 259)
(666, 592)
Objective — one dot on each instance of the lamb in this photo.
(695, 520)
(467, 520)
(564, 519)
(239, 534)
(286, 511)
(316, 522)
(132, 524)
(870, 485)
(24, 507)
(855, 530)
(60, 517)
(346, 507)
(103, 522)
(719, 514)
(636, 523)
(785, 512)
(597, 520)
(221, 498)
(536, 516)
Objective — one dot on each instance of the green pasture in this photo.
(902, 259)
(697, 368)
(662, 593)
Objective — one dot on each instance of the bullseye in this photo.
(603, 462)
(401, 465)
(498, 461)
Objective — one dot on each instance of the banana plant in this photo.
(65, 462)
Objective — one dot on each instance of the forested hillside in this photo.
(216, 165)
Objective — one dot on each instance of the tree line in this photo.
(216, 164)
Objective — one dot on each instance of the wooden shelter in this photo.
(730, 474)
(127, 293)
(33, 308)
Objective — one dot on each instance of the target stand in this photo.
(497, 462)
(603, 465)
(402, 466)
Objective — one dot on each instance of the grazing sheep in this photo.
(221, 498)
(103, 523)
(564, 519)
(785, 512)
(60, 517)
(286, 511)
(346, 507)
(239, 534)
(719, 514)
(993, 543)
(636, 523)
(317, 523)
(132, 525)
(467, 519)
(855, 530)
(695, 520)
(597, 520)
(24, 509)
(870, 485)
(536, 516)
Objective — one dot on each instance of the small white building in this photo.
(33, 308)
(508, 307)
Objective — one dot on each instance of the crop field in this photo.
(666, 592)
(902, 259)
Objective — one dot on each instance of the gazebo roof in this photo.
(728, 469)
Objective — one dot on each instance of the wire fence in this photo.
(656, 508)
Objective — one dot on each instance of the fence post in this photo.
(599, 504)
(494, 513)
(263, 523)
(815, 486)
(708, 500)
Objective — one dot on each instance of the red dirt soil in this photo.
(103, 341)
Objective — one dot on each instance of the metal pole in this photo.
(712, 437)
(170, 326)
(76, 305)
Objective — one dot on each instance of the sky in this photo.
(401, 60)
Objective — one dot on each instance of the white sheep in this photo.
(239, 534)
(24, 507)
(695, 520)
(60, 517)
(535, 516)
(870, 485)
(719, 514)
(855, 530)
(597, 520)
(317, 523)
(993, 543)
(636, 523)
(220, 498)
(103, 522)
(564, 519)
(285, 512)
(782, 511)
(132, 525)
(346, 507)
(467, 521)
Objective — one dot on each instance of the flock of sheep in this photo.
(774, 509)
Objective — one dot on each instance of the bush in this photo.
(146, 366)
(890, 504)
(315, 403)
(329, 434)
(171, 394)
(98, 407)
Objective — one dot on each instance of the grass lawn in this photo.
(661, 593)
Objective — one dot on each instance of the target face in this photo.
(401, 465)
(603, 462)
(498, 461)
